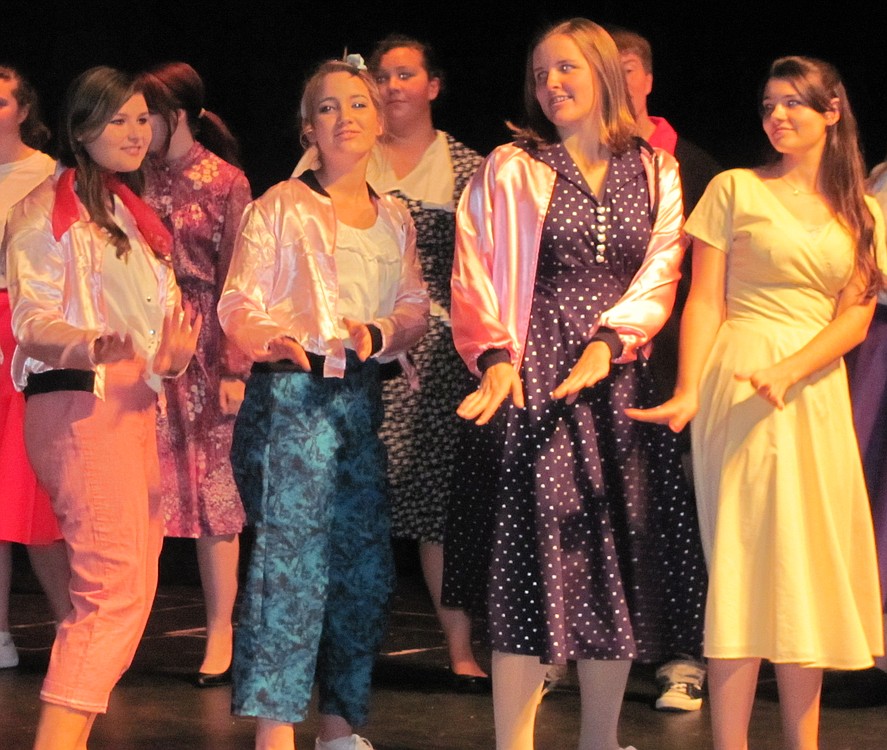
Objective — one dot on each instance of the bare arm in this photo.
(703, 315)
(846, 330)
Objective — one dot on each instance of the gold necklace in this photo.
(796, 190)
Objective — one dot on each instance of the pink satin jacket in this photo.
(498, 229)
(282, 280)
(56, 291)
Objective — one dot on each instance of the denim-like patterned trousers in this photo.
(311, 472)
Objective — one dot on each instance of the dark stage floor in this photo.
(155, 707)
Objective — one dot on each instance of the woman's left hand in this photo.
(360, 338)
(178, 341)
(231, 391)
(592, 367)
(770, 383)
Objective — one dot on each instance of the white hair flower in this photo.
(356, 61)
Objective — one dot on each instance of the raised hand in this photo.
(178, 341)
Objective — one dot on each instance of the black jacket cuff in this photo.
(492, 357)
(611, 339)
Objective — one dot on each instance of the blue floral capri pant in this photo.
(311, 472)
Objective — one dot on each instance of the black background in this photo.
(709, 59)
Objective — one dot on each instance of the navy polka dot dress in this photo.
(575, 534)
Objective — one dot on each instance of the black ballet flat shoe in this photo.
(209, 680)
(470, 684)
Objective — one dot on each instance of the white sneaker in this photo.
(354, 742)
(8, 654)
(680, 684)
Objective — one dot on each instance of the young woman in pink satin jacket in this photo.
(578, 538)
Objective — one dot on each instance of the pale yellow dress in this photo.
(783, 508)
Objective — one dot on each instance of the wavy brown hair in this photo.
(617, 123)
(842, 169)
(92, 99)
(176, 85)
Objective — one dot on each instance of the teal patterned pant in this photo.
(311, 472)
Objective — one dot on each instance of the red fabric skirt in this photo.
(25, 513)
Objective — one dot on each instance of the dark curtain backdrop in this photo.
(709, 59)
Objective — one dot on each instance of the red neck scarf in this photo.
(66, 210)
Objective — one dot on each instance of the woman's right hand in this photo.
(676, 412)
(283, 347)
(498, 382)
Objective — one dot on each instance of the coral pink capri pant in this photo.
(98, 460)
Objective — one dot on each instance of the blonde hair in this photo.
(311, 90)
(617, 125)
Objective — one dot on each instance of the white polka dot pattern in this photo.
(575, 526)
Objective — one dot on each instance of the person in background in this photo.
(680, 679)
(867, 372)
(98, 321)
(575, 532)
(194, 184)
(324, 286)
(786, 261)
(25, 513)
(428, 170)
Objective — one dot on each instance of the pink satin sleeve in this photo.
(498, 228)
(243, 305)
(647, 303)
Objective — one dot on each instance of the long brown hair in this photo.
(842, 170)
(176, 85)
(617, 123)
(92, 99)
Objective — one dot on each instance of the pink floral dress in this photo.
(201, 199)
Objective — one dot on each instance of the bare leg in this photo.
(50, 564)
(517, 691)
(8, 654)
(799, 691)
(217, 558)
(456, 623)
(731, 686)
(5, 584)
(62, 728)
(274, 735)
(602, 687)
(84, 735)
